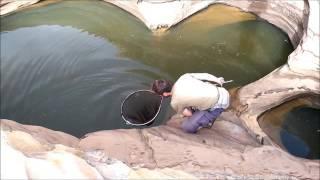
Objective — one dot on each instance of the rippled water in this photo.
(295, 126)
(68, 65)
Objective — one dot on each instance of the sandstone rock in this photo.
(111, 168)
(278, 87)
(287, 15)
(107, 167)
(12, 161)
(225, 151)
(38, 134)
(202, 155)
(65, 162)
(39, 163)
(155, 147)
(7, 6)
(300, 76)
(60, 165)
(305, 59)
(126, 147)
(166, 173)
(161, 16)
(24, 142)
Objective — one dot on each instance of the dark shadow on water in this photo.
(300, 132)
(295, 126)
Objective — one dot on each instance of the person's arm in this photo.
(207, 77)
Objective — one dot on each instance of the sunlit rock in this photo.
(12, 161)
(60, 165)
(305, 59)
(25, 142)
(7, 6)
(107, 167)
(209, 154)
(224, 151)
(46, 137)
(23, 157)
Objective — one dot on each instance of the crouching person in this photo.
(198, 96)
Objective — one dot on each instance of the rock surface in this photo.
(35, 135)
(162, 15)
(226, 151)
(26, 156)
(7, 6)
(164, 152)
(301, 75)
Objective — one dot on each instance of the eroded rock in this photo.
(224, 151)
(300, 76)
(7, 6)
(36, 134)
(299, 19)
(209, 154)
(23, 157)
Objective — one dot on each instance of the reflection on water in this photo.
(295, 126)
(74, 61)
(76, 78)
(211, 41)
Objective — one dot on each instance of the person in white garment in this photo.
(198, 96)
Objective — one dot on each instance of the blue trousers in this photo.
(201, 119)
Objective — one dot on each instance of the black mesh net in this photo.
(141, 107)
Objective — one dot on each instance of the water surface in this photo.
(68, 65)
(295, 126)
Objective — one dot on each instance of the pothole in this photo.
(295, 126)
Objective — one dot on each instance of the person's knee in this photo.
(189, 126)
(193, 123)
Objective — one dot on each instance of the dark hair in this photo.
(161, 86)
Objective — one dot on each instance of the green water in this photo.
(68, 65)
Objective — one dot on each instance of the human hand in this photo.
(187, 112)
(222, 81)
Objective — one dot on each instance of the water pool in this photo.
(68, 65)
